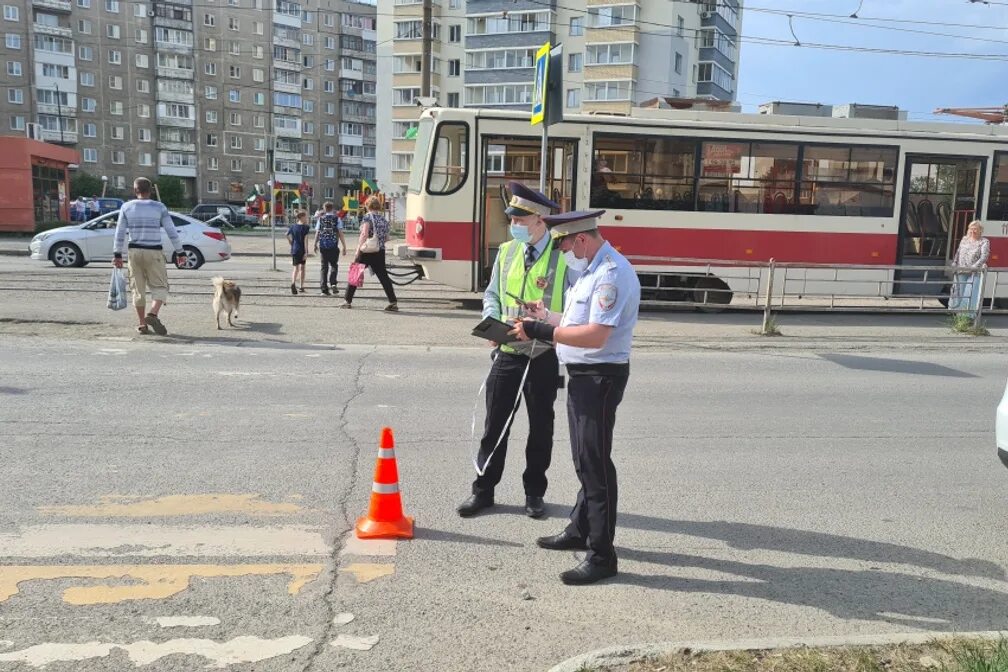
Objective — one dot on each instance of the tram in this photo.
(691, 186)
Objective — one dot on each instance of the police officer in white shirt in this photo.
(593, 337)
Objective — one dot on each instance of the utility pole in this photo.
(425, 57)
(59, 111)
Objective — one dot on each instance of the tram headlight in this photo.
(419, 227)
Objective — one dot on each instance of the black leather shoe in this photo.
(474, 505)
(588, 572)
(562, 542)
(534, 507)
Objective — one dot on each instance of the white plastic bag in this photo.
(117, 290)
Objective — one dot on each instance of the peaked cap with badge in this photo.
(525, 201)
(569, 223)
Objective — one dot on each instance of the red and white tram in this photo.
(714, 185)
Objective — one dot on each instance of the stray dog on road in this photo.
(226, 297)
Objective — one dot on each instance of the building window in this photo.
(455, 33)
(85, 53)
(680, 26)
(143, 85)
(576, 26)
(678, 63)
(90, 130)
(574, 62)
(112, 6)
(236, 142)
(211, 140)
(13, 41)
(236, 165)
(11, 13)
(90, 155)
(233, 23)
(234, 95)
(118, 157)
(573, 98)
(212, 163)
(234, 119)
(234, 71)
(139, 10)
(210, 69)
(115, 57)
(118, 133)
(88, 104)
(112, 31)
(15, 96)
(453, 100)
(211, 116)
(84, 26)
(115, 82)
(142, 61)
(140, 36)
(454, 67)
(212, 186)
(210, 92)
(14, 68)
(143, 135)
(209, 20)
(116, 107)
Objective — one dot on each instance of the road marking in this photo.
(157, 581)
(186, 621)
(107, 352)
(175, 505)
(366, 572)
(145, 541)
(368, 547)
(355, 642)
(222, 654)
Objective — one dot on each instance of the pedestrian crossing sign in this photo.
(539, 89)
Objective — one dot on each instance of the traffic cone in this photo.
(385, 519)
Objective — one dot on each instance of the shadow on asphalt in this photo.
(900, 599)
(745, 536)
(895, 366)
(426, 533)
(240, 342)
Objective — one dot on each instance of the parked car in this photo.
(232, 214)
(80, 244)
(1001, 428)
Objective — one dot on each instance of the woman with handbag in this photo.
(374, 232)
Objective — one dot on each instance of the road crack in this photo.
(339, 542)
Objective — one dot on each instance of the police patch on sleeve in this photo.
(606, 294)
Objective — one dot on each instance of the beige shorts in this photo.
(147, 271)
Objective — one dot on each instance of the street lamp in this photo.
(104, 184)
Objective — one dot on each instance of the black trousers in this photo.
(592, 399)
(376, 262)
(330, 267)
(540, 392)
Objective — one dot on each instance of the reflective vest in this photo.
(540, 281)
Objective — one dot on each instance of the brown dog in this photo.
(227, 296)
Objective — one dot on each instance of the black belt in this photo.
(609, 369)
(138, 246)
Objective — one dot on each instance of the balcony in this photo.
(68, 137)
(285, 42)
(176, 97)
(59, 31)
(177, 146)
(173, 47)
(53, 108)
(288, 178)
(176, 122)
(174, 73)
(287, 156)
(287, 132)
(286, 87)
(178, 24)
(178, 171)
(54, 5)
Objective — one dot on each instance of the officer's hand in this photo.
(117, 262)
(536, 310)
(519, 331)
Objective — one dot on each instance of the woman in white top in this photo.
(972, 253)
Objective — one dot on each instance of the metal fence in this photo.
(718, 284)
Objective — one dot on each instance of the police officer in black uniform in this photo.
(593, 338)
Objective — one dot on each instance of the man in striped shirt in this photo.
(143, 220)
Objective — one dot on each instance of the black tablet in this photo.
(494, 330)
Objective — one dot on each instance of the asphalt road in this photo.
(762, 494)
(172, 503)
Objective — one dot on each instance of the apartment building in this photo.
(617, 53)
(224, 94)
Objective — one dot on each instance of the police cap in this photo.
(525, 202)
(570, 223)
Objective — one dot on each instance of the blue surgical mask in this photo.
(575, 264)
(520, 233)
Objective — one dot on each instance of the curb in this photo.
(15, 253)
(624, 655)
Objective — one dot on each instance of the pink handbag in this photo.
(355, 276)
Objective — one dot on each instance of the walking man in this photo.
(142, 219)
(593, 337)
(328, 238)
(527, 268)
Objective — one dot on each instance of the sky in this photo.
(917, 84)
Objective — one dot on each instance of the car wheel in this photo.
(193, 259)
(66, 255)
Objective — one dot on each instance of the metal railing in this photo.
(719, 284)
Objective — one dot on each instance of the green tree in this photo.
(85, 184)
(172, 191)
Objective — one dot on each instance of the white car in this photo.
(1001, 428)
(80, 244)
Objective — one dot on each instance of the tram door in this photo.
(507, 159)
(940, 198)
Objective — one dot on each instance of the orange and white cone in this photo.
(385, 519)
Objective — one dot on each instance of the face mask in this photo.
(573, 263)
(520, 233)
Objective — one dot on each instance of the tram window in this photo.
(425, 128)
(748, 177)
(848, 181)
(649, 173)
(450, 165)
(998, 206)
